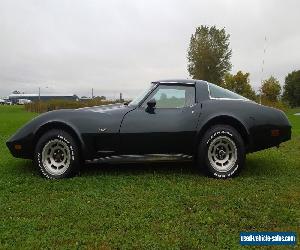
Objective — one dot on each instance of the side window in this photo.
(218, 92)
(167, 96)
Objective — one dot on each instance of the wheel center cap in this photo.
(222, 154)
(58, 156)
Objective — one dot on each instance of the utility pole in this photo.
(92, 93)
(262, 68)
(39, 106)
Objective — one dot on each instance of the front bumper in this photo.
(22, 148)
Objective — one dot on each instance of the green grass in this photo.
(146, 205)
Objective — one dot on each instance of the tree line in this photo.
(209, 55)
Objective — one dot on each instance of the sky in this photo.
(72, 46)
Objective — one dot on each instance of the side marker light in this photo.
(275, 132)
(18, 147)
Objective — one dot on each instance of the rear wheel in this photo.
(221, 152)
(57, 155)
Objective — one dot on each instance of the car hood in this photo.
(82, 117)
(105, 108)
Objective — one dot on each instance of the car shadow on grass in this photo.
(253, 167)
(140, 168)
(23, 167)
(262, 167)
(27, 168)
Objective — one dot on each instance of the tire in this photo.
(221, 152)
(57, 155)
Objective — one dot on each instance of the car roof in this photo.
(179, 81)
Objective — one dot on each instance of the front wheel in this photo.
(221, 152)
(57, 155)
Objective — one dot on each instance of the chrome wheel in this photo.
(222, 154)
(56, 157)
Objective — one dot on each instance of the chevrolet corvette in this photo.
(212, 125)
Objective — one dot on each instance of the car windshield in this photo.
(141, 96)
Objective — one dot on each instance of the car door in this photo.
(170, 127)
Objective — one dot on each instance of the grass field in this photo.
(146, 206)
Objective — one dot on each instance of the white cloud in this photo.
(112, 46)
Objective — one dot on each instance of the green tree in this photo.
(271, 89)
(240, 84)
(209, 54)
(291, 88)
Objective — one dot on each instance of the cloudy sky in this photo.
(71, 46)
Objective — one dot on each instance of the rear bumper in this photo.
(267, 137)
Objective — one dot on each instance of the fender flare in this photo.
(228, 119)
(59, 124)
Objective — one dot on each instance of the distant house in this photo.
(43, 97)
(84, 98)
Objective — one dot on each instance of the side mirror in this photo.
(151, 103)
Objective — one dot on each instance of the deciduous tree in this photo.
(271, 89)
(240, 84)
(209, 54)
(291, 88)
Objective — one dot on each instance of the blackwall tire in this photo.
(57, 155)
(221, 152)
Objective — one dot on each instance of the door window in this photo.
(167, 96)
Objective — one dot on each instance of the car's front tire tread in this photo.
(69, 141)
